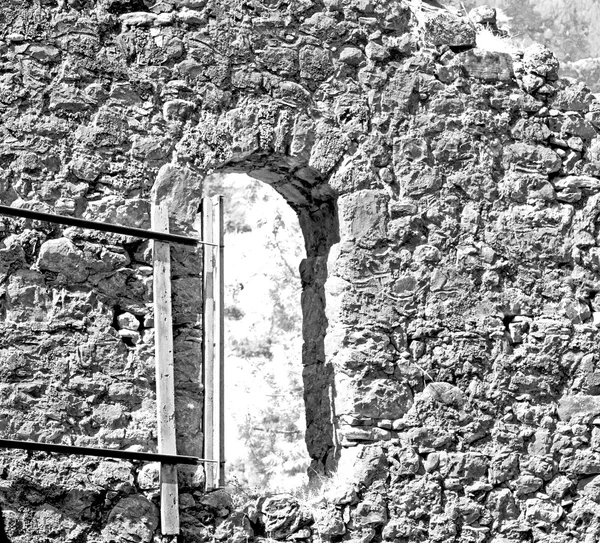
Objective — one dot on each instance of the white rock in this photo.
(128, 321)
(62, 256)
(137, 18)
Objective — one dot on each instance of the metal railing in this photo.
(213, 360)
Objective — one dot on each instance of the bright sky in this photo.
(258, 257)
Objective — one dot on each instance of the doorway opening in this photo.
(265, 419)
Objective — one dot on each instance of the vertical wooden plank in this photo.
(220, 335)
(209, 342)
(165, 381)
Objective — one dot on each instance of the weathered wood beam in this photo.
(165, 378)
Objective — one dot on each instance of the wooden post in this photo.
(209, 343)
(220, 336)
(165, 381)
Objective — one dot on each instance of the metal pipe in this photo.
(220, 332)
(102, 226)
(208, 338)
(107, 453)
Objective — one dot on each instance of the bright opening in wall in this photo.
(264, 407)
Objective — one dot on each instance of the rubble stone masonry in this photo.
(449, 199)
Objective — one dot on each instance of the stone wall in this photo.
(448, 197)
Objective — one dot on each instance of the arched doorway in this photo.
(264, 410)
(275, 327)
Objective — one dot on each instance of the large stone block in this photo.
(133, 518)
(486, 65)
(445, 28)
(580, 406)
(62, 256)
(363, 216)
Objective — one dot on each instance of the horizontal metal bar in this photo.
(106, 453)
(102, 226)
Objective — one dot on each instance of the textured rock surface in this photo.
(448, 199)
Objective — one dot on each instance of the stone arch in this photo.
(130, 116)
(314, 202)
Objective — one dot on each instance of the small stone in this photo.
(161, 7)
(131, 335)
(577, 97)
(541, 444)
(164, 19)
(577, 311)
(427, 254)
(62, 256)
(580, 405)
(68, 98)
(517, 331)
(559, 487)
(526, 484)
(235, 528)
(478, 486)
(191, 477)
(531, 157)
(532, 83)
(501, 504)
(448, 74)
(427, 439)
(303, 533)
(370, 513)
(342, 493)
(444, 28)
(320, 24)
(376, 52)
(137, 18)
(541, 61)
(351, 56)
(315, 63)
(44, 53)
(128, 321)
(353, 433)
(50, 520)
(65, 206)
(283, 516)
(444, 394)
(191, 16)
(584, 182)
(575, 143)
(486, 65)
(174, 187)
(484, 15)
(149, 476)
(329, 522)
(15, 37)
(590, 487)
(186, 500)
(398, 424)
(178, 110)
(432, 462)
(110, 415)
(218, 499)
(583, 462)
(545, 511)
(113, 474)
(134, 518)
(405, 461)
(576, 125)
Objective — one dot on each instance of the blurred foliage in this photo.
(264, 391)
